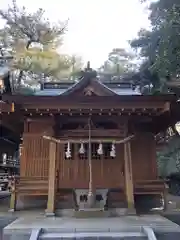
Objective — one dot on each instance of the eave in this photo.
(120, 104)
(20, 99)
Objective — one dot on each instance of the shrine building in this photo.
(86, 145)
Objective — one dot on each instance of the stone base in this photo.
(31, 202)
(130, 211)
(118, 212)
(21, 228)
(94, 212)
(49, 214)
(11, 210)
(65, 212)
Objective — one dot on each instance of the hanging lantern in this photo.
(12, 107)
(82, 149)
(1, 86)
(68, 151)
(20, 150)
(113, 151)
(100, 149)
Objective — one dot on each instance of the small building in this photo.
(88, 144)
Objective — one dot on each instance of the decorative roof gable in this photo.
(89, 86)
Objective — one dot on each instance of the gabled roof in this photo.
(94, 85)
(58, 92)
(88, 82)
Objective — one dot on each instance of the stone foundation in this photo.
(22, 227)
(31, 202)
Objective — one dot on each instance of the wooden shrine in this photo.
(88, 146)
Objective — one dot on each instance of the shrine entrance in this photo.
(91, 162)
(94, 162)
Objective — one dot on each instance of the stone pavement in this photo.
(5, 218)
(4, 221)
(24, 225)
(27, 220)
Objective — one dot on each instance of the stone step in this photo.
(132, 227)
(95, 235)
(92, 214)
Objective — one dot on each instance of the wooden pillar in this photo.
(50, 211)
(128, 178)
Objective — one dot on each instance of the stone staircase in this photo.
(93, 236)
(92, 213)
(146, 233)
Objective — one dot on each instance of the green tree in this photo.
(76, 66)
(160, 46)
(31, 35)
(119, 62)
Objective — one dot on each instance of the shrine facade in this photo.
(88, 144)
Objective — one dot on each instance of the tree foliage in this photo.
(169, 158)
(76, 66)
(33, 42)
(32, 27)
(160, 46)
(120, 61)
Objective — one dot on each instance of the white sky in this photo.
(95, 27)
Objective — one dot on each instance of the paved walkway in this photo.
(126, 223)
(27, 220)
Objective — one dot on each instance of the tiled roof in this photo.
(49, 92)
(62, 88)
(56, 92)
(126, 91)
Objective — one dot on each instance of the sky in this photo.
(95, 27)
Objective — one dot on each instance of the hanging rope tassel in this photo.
(82, 149)
(113, 151)
(100, 149)
(68, 152)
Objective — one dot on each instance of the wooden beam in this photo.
(83, 119)
(128, 177)
(80, 107)
(61, 100)
(52, 180)
(75, 140)
(42, 119)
